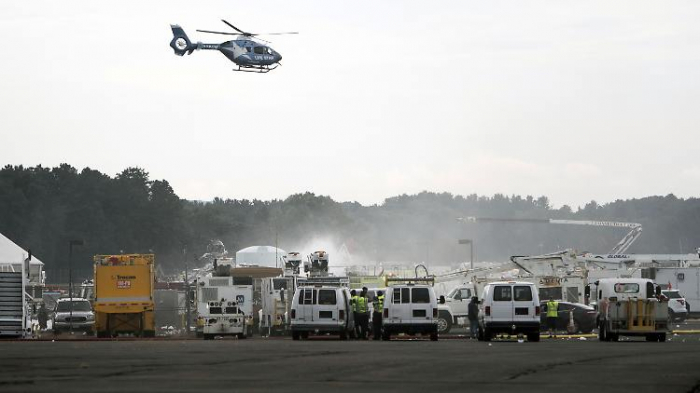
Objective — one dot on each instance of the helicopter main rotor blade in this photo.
(235, 28)
(217, 32)
(287, 32)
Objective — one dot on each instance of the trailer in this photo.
(14, 315)
(124, 295)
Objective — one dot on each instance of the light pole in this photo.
(187, 294)
(71, 243)
(471, 249)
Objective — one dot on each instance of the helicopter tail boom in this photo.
(180, 43)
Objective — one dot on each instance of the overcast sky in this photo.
(575, 100)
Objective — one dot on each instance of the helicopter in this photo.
(248, 54)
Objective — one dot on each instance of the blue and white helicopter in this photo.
(247, 54)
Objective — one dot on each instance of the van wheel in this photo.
(295, 335)
(208, 336)
(343, 336)
(533, 337)
(651, 337)
(386, 336)
(601, 333)
(433, 336)
(444, 322)
(305, 335)
(613, 337)
(662, 337)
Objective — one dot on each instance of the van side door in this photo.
(524, 304)
(502, 304)
(421, 307)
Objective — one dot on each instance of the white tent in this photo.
(267, 256)
(12, 256)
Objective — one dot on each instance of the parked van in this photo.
(411, 309)
(321, 310)
(511, 307)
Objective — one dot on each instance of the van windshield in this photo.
(77, 306)
(502, 293)
(420, 295)
(522, 293)
(626, 288)
(326, 297)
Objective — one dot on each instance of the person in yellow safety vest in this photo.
(353, 305)
(363, 313)
(378, 305)
(552, 315)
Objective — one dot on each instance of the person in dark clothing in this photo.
(43, 316)
(473, 315)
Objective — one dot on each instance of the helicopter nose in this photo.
(279, 58)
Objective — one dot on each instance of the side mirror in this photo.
(442, 299)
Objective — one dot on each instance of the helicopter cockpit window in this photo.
(260, 50)
(247, 49)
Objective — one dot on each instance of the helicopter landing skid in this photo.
(256, 69)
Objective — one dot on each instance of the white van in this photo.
(321, 310)
(511, 307)
(410, 309)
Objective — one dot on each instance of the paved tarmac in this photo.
(259, 364)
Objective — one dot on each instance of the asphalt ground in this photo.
(323, 365)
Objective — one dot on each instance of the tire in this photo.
(444, 322)
(487, 334)
(295, 335)
(241, 336)
(533, 337)
(386, 336)
(613, 337)
(433, 336)
(662, 337)
(343, 336)
(208, 336)
(651, 337)
(305, 335)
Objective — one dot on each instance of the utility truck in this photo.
(276, 298)
(221, 307)
(629, 307)
(124, 286)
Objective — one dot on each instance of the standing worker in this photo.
(42, 316)
(473, 315)
(378, 305)
(353, 306)
(552, 314)
(363, 313)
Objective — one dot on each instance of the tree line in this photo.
(44, 208)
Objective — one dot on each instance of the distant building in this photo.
(266, 256)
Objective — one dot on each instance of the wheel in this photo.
(602, 336)
(613, 337)
(651, 337)
(241, 336)
(295, 335)
(533, 337)
(386, 336)
(444, 322)
(487, 334)
(208, 336)
(305, 335)
(433, 336)
(662, 337)
(343, 336)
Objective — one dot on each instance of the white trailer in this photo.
(15, 318)
(685, 279)
(223, 307)
(276, 302)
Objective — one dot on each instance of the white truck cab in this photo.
(456, 306)
(410, 308)
(629, 307)
(511, 307)
(321, 309)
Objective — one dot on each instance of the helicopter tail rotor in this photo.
(180, 43)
